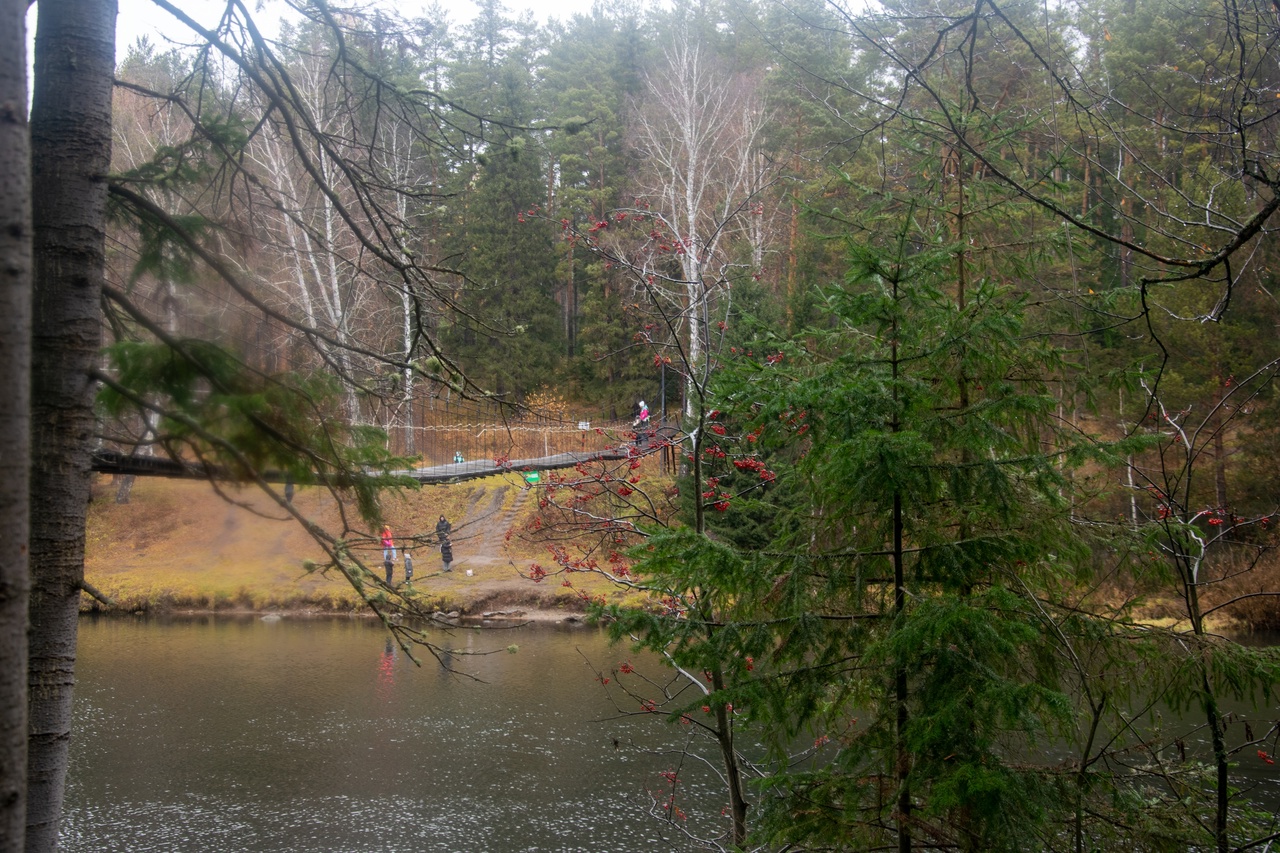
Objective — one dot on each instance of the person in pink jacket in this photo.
(388, 544)
(388, 552)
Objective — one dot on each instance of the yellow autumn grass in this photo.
(179, 545)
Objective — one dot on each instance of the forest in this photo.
(958, 318)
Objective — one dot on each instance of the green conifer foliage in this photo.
(901, 592)
(591, 70)
(924, 422)
(507, 334)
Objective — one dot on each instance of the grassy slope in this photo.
(180, 545)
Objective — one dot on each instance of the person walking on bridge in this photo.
(641, 424)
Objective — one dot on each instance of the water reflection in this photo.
(386, 670)
(215, 734)
(245, 735)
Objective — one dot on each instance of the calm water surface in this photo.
(313, 735)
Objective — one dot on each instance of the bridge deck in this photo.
(456, 472)
(112, 462)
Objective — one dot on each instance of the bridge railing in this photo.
(440, 427)
(436, 444)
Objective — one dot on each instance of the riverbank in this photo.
(179, 546)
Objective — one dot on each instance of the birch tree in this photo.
(318, 271)
(697, 137)
(396, 161)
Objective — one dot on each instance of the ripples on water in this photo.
(211, 735)
(243, 735)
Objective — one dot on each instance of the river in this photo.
(313, 735)
(244, 734)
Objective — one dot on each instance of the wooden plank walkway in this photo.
(456, 472)
(112, 462)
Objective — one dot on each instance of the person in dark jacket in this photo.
(443, 528)
(446, 554)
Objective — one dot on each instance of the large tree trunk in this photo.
(15, 447)
(70, 156)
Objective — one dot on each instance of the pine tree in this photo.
(901, 592)
(70, 152)
(508, 336)
(15, 425)
(590, 72)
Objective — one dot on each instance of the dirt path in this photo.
(479, 544)
(483, 530)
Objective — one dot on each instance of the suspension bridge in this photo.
(653, 440)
